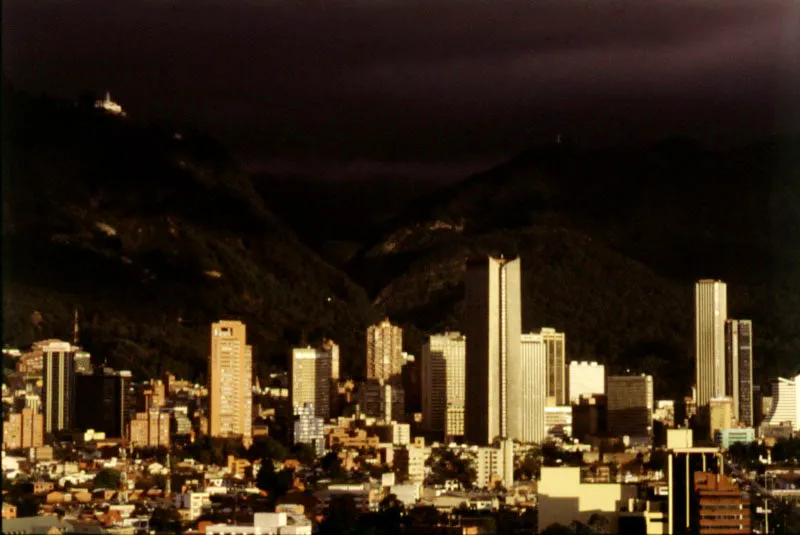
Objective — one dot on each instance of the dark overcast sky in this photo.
(436, 87)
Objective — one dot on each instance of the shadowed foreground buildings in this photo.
(230, 382)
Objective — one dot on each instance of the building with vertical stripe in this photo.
(230, 393)
(58, 384)
(710, 313)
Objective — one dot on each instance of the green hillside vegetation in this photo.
(152, 236)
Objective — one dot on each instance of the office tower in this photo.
(443, 380)
(710, 313)
(308, 428)
(154, 395)
(533, 369)
(382, 399)
(58, 369)
(556, 367)
(586, 379)
(100, 402)
(230, 396)
(739, 368)
(332, 348)
(384, 351)
(785, 409)
(630, 405)
(311, 379)
(410, 379)
(149, 429)
(589, 416)
(493, 321)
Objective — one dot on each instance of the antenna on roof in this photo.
(75, 329)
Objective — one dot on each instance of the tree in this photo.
(166, 519)
(305, 453)
(107, 479)
(599, 523)
(267, 448)
(332, 465)
(557, 529)
(342, 517)
(447, 464)
(530, 465)
(275, 484)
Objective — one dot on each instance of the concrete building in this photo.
(558, 422)
(83, 362)
(710, 313)
(737, 435)
(193, 502)
(381, 399)
(589, 417)
(332, 348)
(443, 381)
(564, 498)
(309, 428)
(409, 463)
(149, 429)
(384, 351)
(311, 379)
(230, 375)
(721, 507)
(24, 429)
(630, 405)
(533, 369)
(682, 464)
(556, 367)
(58, 369)
(267, 524)
(785, 406)
(586, 379)
(493, 321)
(720, 412)
(494, 466)
(739, 368)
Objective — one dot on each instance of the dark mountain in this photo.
(611, 242)
(152, 232)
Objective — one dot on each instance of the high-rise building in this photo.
(23, 429)
(785, 407)
(630, 405)
(739, 368)
(309, 428)
(710, 313)
(333, 349)
(58, 370)
(381, 399)
(311, 379)
(230, 395)
(556, 367)
(149, 429)
(443, 381)
(493, 321)
(533, 369)
(83, 362)
(384, 351)
(586, 379)
(100, 402)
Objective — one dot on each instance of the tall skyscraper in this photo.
(58, 370)
(493, 321)
(739, 369)
(630, 405)
(384, 351)
(311, 379)
(710, 313)
(100, 402)
(333, 348)
(533, 355)
(443, 382)
(230, 400)
(556, 366)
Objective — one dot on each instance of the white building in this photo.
(710, 313)
(267, 524)
(585, 379)
(495, 464)
(308, 428)
(193, 502)
(443, 380)
(401, 434)
(533, 369)
(785, 403)
(409, 462)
